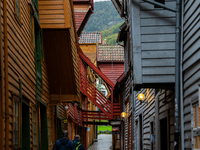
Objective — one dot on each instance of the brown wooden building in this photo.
(39, 71)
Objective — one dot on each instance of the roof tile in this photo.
(110, 53)
(90, 37)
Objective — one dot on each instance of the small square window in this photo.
(195, 142)
(16, 119)
(196, 126)
(18, 9)
(32, 29)
(159, 1)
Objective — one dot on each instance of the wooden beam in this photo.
(89, 63)
(63, 98)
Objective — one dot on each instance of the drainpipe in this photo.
(6, 75)
(177, 77)
(1, 89)
(181, 80)
(133, 116)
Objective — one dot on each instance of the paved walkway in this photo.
(104, 142)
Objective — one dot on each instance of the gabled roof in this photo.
(110, 53)
(90, 37)
(82, 11)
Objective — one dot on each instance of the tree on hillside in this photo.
(104, 17)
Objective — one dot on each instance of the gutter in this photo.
(177, 78)
(181, 81)
(6, 75)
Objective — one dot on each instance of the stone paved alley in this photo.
(104, 142)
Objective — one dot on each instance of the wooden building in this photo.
(149, 50)
(88, 43)
(82, 10)
(37, 68)
(191, 74)
(110, 59)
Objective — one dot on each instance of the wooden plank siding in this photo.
(54, 14)
(191, 65)
(149, 110)
(21, 61)
(153, 35)
(90, 50)
(74, 46)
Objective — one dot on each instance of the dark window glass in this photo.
(160, 1)
(17, 8)
(16, 121)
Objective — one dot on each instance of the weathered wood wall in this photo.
(21, 59)
(156, 107)
(153, 35)
(21, 66)
(90, 50)
(191, 65)
(54, 13)
(74, 45)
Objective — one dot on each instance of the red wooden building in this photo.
(110, 59)
(82, 10)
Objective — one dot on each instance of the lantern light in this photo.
(123, 114)
(66, 107)
(141, 96)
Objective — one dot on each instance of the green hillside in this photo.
(105, 16)
(111, 34)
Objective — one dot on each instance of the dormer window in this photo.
(159, 1)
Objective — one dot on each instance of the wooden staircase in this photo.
(108, 109)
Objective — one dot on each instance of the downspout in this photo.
(133, 116)
(6, 75)
(1, 88)
(181, 80)
(177, 77)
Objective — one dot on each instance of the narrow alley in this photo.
(100, 75)
(104, 142)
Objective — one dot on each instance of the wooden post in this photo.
(112, 102)
(1, 89)
(85, 141)
(6, 75)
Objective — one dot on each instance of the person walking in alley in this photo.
(77, 143)
(63, 143)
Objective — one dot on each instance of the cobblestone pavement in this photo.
(104, 142)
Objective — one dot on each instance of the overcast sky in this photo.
(100, 0)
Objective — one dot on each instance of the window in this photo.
(100, 81)
(18, 9)
(34, 127)
(196, 126)
(32, 29)
(50, 131)
(159, 1)
(16, 117)
(38, 61)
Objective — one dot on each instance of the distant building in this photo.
(110, 59)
